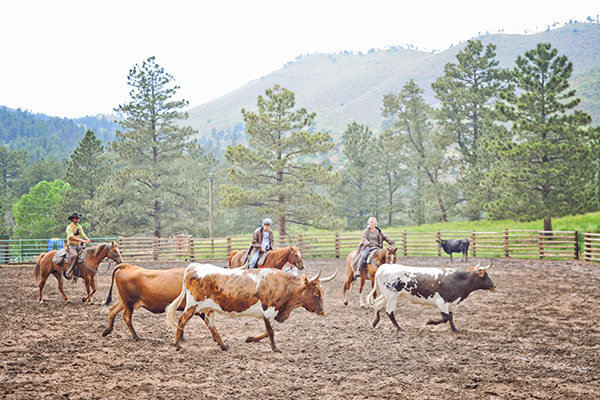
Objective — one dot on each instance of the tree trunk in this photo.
(548, 224)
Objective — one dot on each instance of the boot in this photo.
(357, 272)
(68, 274)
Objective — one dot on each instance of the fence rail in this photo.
(507, 243)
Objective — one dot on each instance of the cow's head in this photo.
(296, 258)
(483, 279)
(312, 293)
(441, 242)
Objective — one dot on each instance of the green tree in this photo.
(422, 147)
(467, 92)
(152, 189)
(276, 173)
(391, 174)
(354, 197)
(33, 212)
(87, 170)
(548, 168)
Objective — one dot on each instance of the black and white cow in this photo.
(455, 246)
(444, 288)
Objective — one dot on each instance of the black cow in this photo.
(455, 246)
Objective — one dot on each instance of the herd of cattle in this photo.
(272, 294)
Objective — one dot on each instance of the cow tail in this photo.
(171, 322)
(37, 272)
(108, 300)
(371, 295)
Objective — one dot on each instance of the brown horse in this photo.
(93, 257)
(386, 255)
(275, 258)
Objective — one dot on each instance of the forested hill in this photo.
(43, 136)
(342, 88)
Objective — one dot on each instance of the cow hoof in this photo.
(137, 338)
(277, 350)
(224, 347)
(106, 332)
(345, 302)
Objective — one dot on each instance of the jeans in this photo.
(254, 259)
(363, 257)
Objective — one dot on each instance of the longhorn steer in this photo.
(444, 288)
(268, 294)
(455, 246)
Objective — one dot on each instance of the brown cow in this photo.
(268, 294)
(153, 290)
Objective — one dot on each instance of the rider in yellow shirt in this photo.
(75, 237)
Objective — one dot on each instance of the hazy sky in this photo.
(71, 58)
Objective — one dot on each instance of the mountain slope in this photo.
(346, 88)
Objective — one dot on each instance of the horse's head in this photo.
(296, 258)
(114, 253)
(390, 255)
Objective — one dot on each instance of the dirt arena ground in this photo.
(536, 336)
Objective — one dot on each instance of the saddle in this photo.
(370, 256)
(262, 258)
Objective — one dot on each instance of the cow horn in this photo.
(331, 277)
(477, 266)
(311, 280)
(484, 268)
(243, 266)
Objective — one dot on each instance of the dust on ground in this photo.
(536, 336)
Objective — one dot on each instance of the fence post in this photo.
(506, 250)
(438, 237)
(155, 248)
(191, 250)
(300, 245)
(576, 237)
(212, 248)
(405, 243)
(541, 244)
(474, 242)
(228, 246)
(337, 245)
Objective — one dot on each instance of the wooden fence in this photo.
(514, 243)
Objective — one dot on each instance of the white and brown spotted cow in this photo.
(444, 288)
(268, 294)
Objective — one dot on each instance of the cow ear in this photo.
(305, 279)
(471, 269)
(480, 273)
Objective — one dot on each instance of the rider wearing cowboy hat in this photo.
(75, 236)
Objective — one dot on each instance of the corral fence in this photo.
(507, 243)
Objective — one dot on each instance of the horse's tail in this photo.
(176, 303)
(37, 272)
(233, 253)
(106, 302)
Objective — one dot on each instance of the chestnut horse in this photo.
(93, 257)
(275, 258)
(386, 255)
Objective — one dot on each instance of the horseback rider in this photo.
(262, 240)
(75, 236)
(372, 238)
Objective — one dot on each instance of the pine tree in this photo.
(422, 147)
(154, 187)
(467, 92)
(87, 170)
(276, 174)
(548, 168)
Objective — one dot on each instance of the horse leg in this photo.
(372, 272)
(93, 284)
(348, 285)
(114, 310)
(183, 320)
(360, 291)
(57, 272)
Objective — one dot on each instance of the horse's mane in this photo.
(92, 250)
